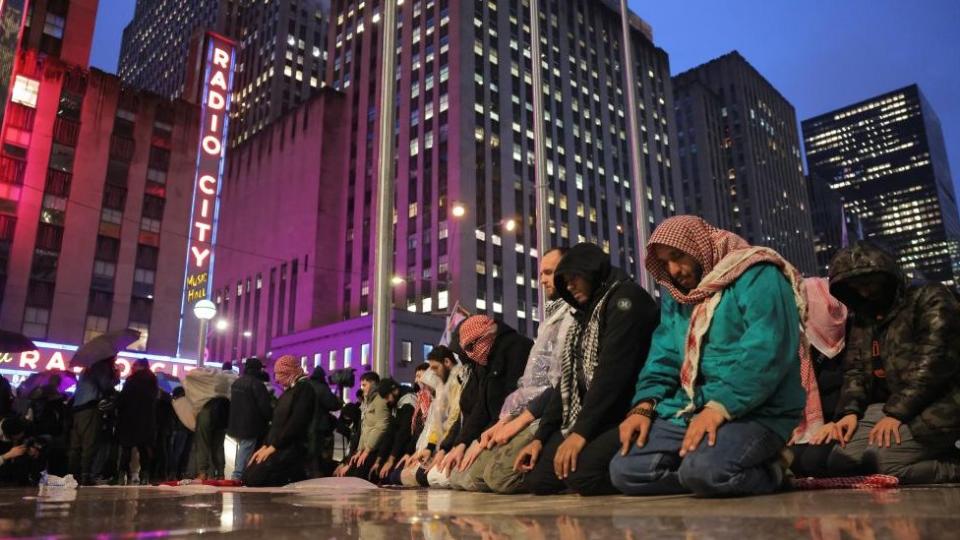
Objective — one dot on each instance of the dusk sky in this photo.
(820, 54)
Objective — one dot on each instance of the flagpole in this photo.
(637, 184)
(383, 256)
(541, 182)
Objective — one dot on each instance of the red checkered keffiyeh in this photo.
(873, 481)
(477, 335)
(287, 370)
(724, 257)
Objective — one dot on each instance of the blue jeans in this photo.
(245, 449)
(742, 462)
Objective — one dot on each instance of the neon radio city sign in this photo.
(51, 356)
(214, 120)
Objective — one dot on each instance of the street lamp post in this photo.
(203, 310)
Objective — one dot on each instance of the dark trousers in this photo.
(592, 476)
(742, 462)
(178, 453)
(85, 441)
(283, 467)
(208, 445)
(146, 459)
(320, 462)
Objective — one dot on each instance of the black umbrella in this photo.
(103, 347)
(13, 342)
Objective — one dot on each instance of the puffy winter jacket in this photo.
(915, 345)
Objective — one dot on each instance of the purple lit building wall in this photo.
(95, 184)
(277, 253)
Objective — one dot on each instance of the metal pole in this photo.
(541, 181)
(636, 180)
(202, 348)
(383, 257)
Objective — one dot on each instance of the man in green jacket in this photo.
(720, 393)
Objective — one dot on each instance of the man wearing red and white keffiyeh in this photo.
(728, 381)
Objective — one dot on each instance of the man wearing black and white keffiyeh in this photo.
(603, 352)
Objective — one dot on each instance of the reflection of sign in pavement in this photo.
(18, 366)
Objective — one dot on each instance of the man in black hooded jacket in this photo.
(899, 410)
(603, 353)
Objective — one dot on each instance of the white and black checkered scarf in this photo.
(581, 349)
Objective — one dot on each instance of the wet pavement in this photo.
(357, 512)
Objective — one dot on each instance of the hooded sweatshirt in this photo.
(904, 348)
(604, 348)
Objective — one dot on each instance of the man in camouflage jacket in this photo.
(899, 410)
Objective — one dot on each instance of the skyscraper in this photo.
(886, 157)
(154, 52)
(833, 228)
(465, 228)
(739, 157)
(280, 63)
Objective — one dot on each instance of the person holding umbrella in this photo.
(95, 386)
(95, 390)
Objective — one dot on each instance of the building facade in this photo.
(886, 157)
(465, 201)
(280, 61)
(833, 227)
(95, 185)
(156, 44)
(739, 155)
(276, 270)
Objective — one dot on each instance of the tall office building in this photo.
(155, 49)
(95, 187)
(280, 61)
(739, 156)
(833, 227)
(465, 197)
(886, 157)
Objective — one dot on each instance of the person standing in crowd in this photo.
(720, 393)
(96, 385)
(136, 420)
(281, 460)
(166, 420)
(602, 355)
(498, 356)
(181, 441)
(500, 444)
(320, 446)
(250, 413)
(6, 397)
(899, 411)
(208, 390)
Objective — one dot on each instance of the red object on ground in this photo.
(873, 481)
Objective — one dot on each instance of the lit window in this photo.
(25, 91)
(94, 327)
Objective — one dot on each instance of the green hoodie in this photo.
(749, 360)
